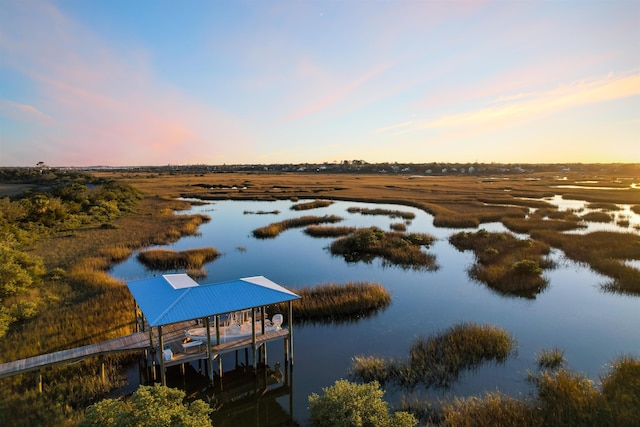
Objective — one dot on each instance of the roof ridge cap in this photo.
(173, 304)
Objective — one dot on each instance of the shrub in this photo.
(152, 406)
(347, 404)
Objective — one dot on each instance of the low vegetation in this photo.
(349, 404)
(597, 249)
(597, 217)
(333, 302)
(311, 205)
(561, 398)
(328, 231)
(274, 229)
(164, 259)
(550, 358)
(149, 406)
(438, 361)
(506, 264)
(402, 249)
(387, 212)
(274, 212)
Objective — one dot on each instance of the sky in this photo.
(155, 82)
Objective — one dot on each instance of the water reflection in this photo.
(573, 313)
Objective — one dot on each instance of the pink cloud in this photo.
(110, 108)
(336, 95)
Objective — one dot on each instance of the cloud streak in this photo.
(544, 103)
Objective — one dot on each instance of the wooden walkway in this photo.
(134, 342)
(172, 336)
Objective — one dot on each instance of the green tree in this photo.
(149, 406)
(347, 404)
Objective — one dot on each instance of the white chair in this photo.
(277, 320)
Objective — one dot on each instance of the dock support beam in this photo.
(102, 374)
(209, 355)
(291, 332)
(253, 339)
(39, 380)
(163, 377)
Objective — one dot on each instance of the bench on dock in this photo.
(187, 345)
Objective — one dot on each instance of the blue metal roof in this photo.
(172, 298)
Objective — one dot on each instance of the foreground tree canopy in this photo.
(153, 406)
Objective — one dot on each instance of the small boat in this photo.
(236, 326)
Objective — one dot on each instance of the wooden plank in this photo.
(138, 341)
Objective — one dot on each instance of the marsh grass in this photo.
(311, 205)
(402, 249)
(506, 264)
(387, 212)
(274, 229)
(335, 302)
(492, 409)
(191, 259)
(328, 231)
(274, 212)
(438, 361)
(604, 206)
(398, 226)
(550, 358)
(597, 217)
(597, 250)
(636, 209)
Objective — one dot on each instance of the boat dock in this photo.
(173, 336)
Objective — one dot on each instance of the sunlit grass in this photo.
(164, 259)
(403, 249)
(550, 358)
(328, 231)
(335, 302)
(311, 205)
(274, 229)
(392, 213)
(505, 263)
(439, 360)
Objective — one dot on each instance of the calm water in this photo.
(573, 313)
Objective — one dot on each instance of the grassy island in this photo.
(506, 264)
(316, 204)
(403, 249)
(272, 230)
(338, 302)
(191, 260)
(440, 359)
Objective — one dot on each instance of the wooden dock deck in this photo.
(139, 341)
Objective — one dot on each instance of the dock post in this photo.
(163, 378)
(253, 339)
(102, 367)
(291, 332)
(209, 355)
(39, 380)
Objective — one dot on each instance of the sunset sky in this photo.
(152, 82)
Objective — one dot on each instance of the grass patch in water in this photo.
(272, 230)
(163, 259)
(597, 217)
(388, 212)
(504, 263)
(274, 212)
(402, 249)
(328, 231)
(597, 250)
(334, 302)
(398, 226)
(438, 361)
(550, 358)
(311, 205)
